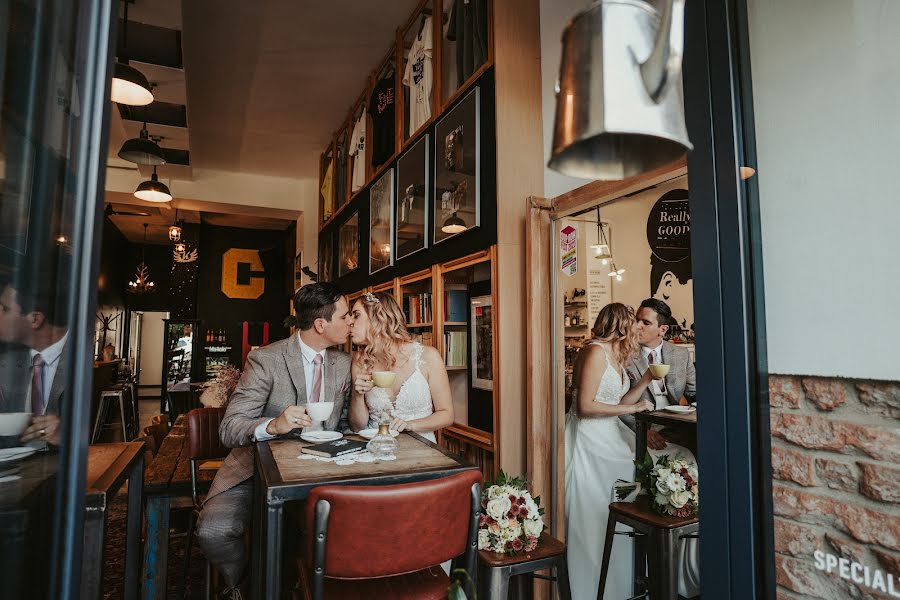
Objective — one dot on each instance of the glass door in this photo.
(54, 87)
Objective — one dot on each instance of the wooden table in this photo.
(108, 467)
(280, 476)
(643, 421)
(168, 477)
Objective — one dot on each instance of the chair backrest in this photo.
(363, 532)
(157, 432)
(203, 434)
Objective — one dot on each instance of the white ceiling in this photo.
(266, 82)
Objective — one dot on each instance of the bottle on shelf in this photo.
(567, 321)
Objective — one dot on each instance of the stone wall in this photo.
(836, 469)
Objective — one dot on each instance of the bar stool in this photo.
(495, 570)
(662, 533)
(108, 397)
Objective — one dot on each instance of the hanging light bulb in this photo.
(180, 247)
(601, 248)
(154, 190)
(129, 86)
(175, 229)
(454, 225)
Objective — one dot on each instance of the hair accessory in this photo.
(370, 297)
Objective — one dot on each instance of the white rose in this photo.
(662, 487)
(503, 523)
(661, 499)
(498, 507)
(675, 482)
(515, 530)
(484, 539)
(679, 499)
(533, 527)
(663, 473)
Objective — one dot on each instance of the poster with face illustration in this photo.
(457, 169)
(411, 206)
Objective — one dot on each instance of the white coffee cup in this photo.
(319, 411)
(14, 423)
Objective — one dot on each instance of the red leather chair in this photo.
(203, 444)
(388, 542)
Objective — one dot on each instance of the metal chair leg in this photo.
(122, 416)
(494, 583)
(607, 552)
(100, 418)
(562, 578)
(663, 577)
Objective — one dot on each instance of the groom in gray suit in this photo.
(270, 400)
(653, 320)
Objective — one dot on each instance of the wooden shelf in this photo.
(575, 304)
(455, 324)
(417, 325)
(462, 368)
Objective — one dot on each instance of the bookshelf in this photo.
(438, 306)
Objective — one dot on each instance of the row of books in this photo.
(418, 308)
(456, 305)
(455, 348)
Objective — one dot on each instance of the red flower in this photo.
(484, 504)
(521, 500)
(523, 512)
(514, 510)
(510, 515)
(512, 499)
(517, 544)
(532, 543)
(484, 520)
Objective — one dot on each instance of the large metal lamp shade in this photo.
(153, 190)
(454, 225)
(142, 150)
(129, 86)
(619, 103)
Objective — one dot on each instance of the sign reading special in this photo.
(568, 250)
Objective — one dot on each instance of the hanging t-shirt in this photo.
(358, 152)
(418, 77)
(326, 189)
(468, 28)
(381, 108)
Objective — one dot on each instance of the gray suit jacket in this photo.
(273, 379)
(681, 379)
(15, 379)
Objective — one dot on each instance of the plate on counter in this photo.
(370, 433)
(16, 454)
(675, 408)
(317, 437)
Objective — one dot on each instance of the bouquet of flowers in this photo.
(218, 391)
(672, 485)
(511, 520)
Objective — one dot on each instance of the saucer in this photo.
(15, 454)
(370, 433)
(321, 436)
(679, 409)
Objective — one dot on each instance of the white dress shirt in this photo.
(662, 398)
(309, 368)
(50, 355)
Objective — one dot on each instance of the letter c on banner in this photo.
(243, 274)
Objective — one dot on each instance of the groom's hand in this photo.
(292, 418)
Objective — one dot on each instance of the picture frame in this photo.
(381, 222)
(348, 245)
(456, 195)
(481, 337)
(326, 257)
(413, 199)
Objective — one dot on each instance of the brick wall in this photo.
(836, 469)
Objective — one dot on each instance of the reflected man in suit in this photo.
(653, 320)
(32, 370)
(270, 400)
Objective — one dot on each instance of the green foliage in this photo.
(457, 588)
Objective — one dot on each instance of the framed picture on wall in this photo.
(326, 257)
(412, 199)
(348, 245)
(381, 222)
(457, 181)
(481, 337)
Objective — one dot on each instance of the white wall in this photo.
(152, 350)
(826, 92)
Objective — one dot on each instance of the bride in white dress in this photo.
(420, 400)
(599, 450)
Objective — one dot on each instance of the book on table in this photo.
(335, 448)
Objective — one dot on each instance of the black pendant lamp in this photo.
(153, 190)
(142, 150)
(454, 225)
(129, 86)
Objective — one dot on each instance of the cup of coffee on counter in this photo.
(658, 370)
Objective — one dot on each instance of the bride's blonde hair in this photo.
(387, 329)
(615, 326)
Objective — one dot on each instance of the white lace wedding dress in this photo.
(599, 451)
(413, 400)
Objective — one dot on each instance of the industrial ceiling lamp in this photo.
(601, 248)
(454, 225)
(142, 150)
(129, 86)
(141, 284)
(154, 190)
(175, 229)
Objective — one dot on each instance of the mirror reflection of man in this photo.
(652, 322)
(32, 370)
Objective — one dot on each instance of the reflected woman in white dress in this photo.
(599, 451)
(420, 400)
